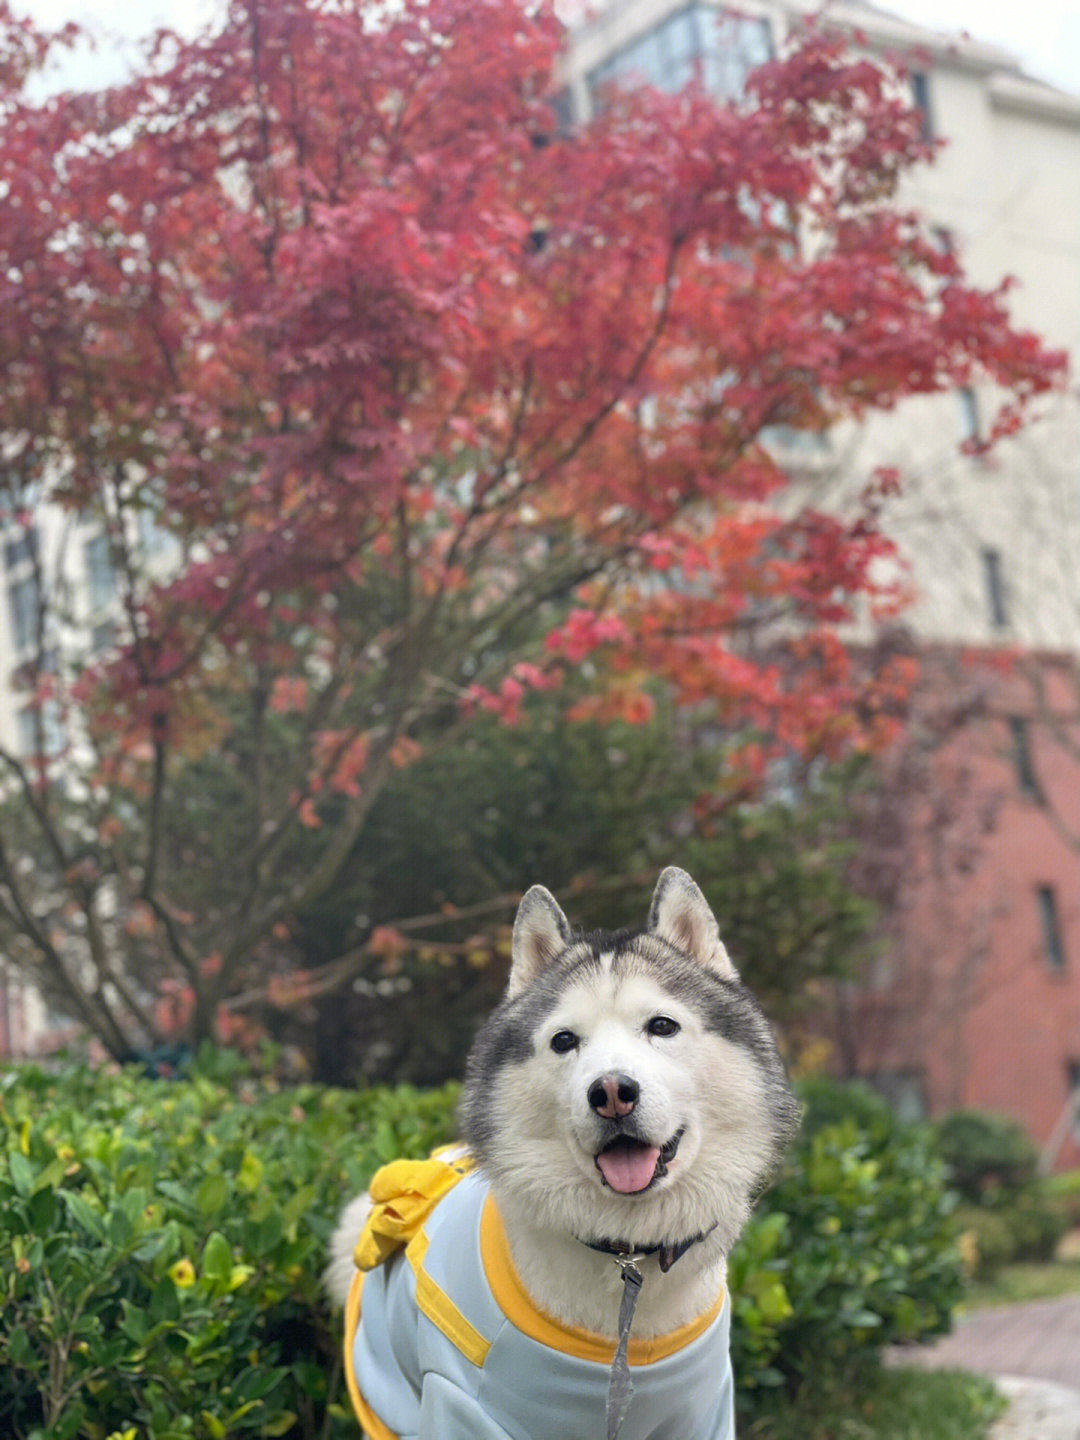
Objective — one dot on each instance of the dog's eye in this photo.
(563, 1040)
(662, 1025)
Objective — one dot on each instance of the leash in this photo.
(620, 1385)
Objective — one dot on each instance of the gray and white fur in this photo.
(628, 1088)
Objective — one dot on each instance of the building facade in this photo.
(972, 840)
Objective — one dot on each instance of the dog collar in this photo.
(668, 1254)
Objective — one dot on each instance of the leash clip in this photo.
(628, 1267)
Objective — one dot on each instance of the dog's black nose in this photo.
(613, 1096)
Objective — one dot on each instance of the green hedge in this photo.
(161, 1245)
(987, 1155)
(1062, 1195)
(1009, 1213)
(852, 1250)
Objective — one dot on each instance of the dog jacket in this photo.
(441, 1339)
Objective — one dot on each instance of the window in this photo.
(154, 540)
(920, 98)
(735, 47)
(794, 446)
(100, 576)
(1072, 1090)
(723, 48)
(41, 735)
(563, 106)
(1051, 929)
(102, 636)
(995, 588)
(969, 415)
(1021, 747)
(22, 548)
(24, 608)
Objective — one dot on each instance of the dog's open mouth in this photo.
(630, 1166)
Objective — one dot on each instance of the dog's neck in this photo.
(581, 1284)
(666, 1253)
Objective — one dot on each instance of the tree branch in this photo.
(92, 1008)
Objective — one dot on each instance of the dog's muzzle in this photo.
(630, 1165)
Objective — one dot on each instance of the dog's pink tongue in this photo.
(628, 1168)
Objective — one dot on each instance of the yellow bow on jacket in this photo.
(403, 1195)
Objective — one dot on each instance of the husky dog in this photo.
(622, 1109)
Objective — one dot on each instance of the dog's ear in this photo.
(680, 914)
(541, 933)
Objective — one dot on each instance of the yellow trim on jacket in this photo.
(373, 1427)
(433, 1301)
(520, 1309)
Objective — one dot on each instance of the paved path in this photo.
(1039, 1339)
(1037, 1411)
(1033, 1352)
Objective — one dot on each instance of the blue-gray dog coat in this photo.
(442, 1340)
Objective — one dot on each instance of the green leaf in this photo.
(84, 1215)
(249, 1176)
(768, 1294)
(217, 1259)
(51, 1176)
(164, 1305)
(41, 1211)
(136, 1323)
(177, 1193)
(212, 1194)
(22, 1172)
(279, 1425)
(119, 1227)
(296, 1207)
(19, 1349)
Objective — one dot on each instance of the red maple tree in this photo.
(396, 400)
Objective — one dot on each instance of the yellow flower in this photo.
(182, 1274)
